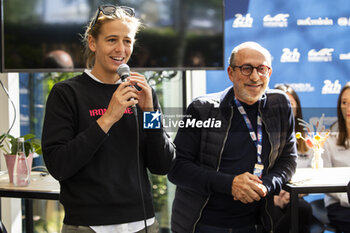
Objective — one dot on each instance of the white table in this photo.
(42, 186)
(308, 180)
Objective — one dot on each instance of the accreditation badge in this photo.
(258, 169)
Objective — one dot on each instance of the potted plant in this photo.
(9, 146)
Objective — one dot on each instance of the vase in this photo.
(10, 163)
(317, 161)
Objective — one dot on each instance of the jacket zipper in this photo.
(223, 144)
(217, 169)
(270, 159)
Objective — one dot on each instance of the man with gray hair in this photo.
(227, 176)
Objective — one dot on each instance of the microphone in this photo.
(124, 71)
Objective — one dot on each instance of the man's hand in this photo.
(282, 199)
(247, 188)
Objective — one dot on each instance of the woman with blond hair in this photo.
(91, 142)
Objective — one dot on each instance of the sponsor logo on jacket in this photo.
(101, 111)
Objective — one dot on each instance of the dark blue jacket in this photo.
(195, 171)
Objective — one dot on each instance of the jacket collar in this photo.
(227, 95)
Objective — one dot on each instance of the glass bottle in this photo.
(21, 173)
(317, 161)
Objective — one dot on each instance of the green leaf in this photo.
(10, 144)
(28, 137)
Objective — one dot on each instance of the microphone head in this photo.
(123, 71)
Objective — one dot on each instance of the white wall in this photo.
(196, 84)
(11, 213)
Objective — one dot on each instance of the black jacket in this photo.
(195, 171)
(98, 172)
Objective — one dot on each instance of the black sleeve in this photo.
(285, 165)
(187, 172)
(65, 151)
(160, 150)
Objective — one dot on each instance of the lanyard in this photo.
(257, 140)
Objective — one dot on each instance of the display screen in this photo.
(178, 34)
